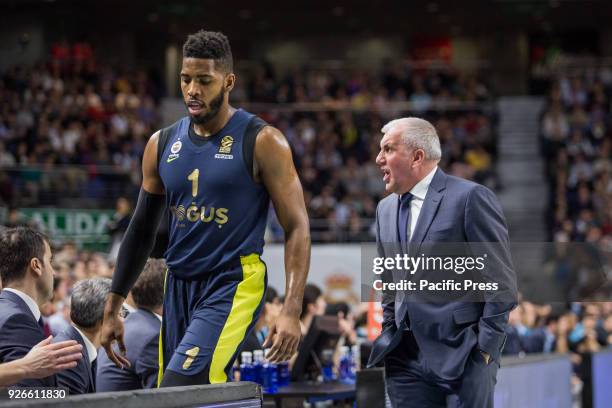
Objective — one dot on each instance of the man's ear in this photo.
(419, 155)
(230, 80)
(36, 266)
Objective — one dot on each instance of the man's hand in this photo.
(284, 337)
(112, 330)
(486, 356)
(46, 359)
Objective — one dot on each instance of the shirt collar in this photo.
(158, 316)
(420, 189)
(91, 349)
(28, 301)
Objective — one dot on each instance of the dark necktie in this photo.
(94, 372)
(44, 326)
(403, 217)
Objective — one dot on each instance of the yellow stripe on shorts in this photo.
(246, 300)
(160, 349)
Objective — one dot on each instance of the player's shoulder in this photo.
(271, 137)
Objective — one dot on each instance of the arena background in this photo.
(519, 92)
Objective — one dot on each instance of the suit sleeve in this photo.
(147, 364)
(487, 233)
(17, 337)
(388, 297)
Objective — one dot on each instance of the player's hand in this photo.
(284, 337)
(46, 359)
(112, 331)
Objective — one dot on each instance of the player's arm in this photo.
(276, 170)
(135, 248)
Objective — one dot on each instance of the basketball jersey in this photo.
(217, 211)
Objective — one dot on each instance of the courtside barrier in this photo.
(234, 395)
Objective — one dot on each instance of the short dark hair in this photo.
(148, 292)
(17, 248)
(210, 45)
(311, 294)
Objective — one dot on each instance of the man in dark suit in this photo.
(27, 280)
(142, 327)
(438, 352)
(86, 312)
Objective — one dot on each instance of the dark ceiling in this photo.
(305, 18)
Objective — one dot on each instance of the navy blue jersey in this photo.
(217, 211)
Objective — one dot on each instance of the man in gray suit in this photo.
(141, 335)
(443, 351)
(86, 312)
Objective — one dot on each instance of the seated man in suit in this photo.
(27, 278)
(141, 336)
(86, 312)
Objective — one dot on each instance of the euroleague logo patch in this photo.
(176, 147)
(225, 149)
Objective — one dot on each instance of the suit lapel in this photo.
(430, 208)
(77, 336)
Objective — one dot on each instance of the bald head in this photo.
(417, 133)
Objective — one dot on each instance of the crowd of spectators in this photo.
(576, 143)
(73, 111)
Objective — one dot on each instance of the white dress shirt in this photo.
(419, 191)
(28, 301)
(91, 349)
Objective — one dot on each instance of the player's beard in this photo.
(213, 109)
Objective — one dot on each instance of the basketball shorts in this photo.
(206, 321)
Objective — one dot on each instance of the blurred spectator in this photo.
(118, 225)
(86, 312)
(313, 304)
(141, 335)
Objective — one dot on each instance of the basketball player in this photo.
(216, 170)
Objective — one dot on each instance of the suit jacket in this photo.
(78, 380)
(141, 340)
(19, 332)
(454, 211)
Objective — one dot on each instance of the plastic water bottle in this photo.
(270, 379)
(355, 361)
(246, 368)
(344, 371)
(283, 374)
(327, 365)
(258, 361)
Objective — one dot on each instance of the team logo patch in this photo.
(225, 149)
(176, 147)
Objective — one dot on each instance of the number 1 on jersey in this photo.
(193, 177)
